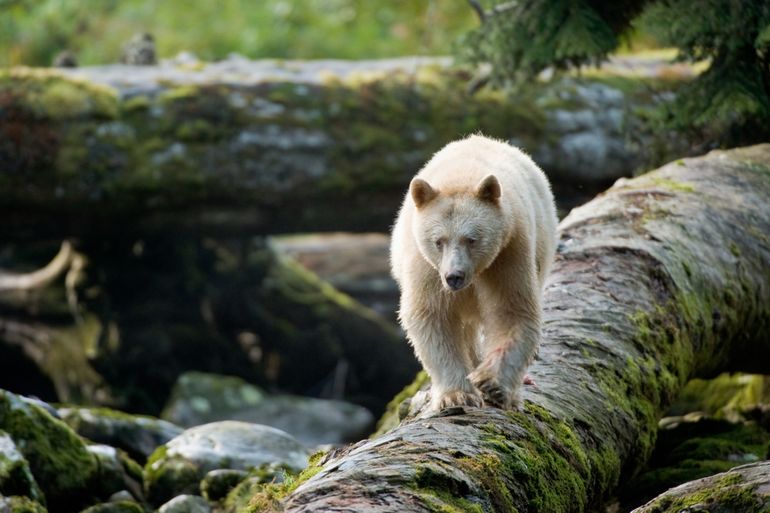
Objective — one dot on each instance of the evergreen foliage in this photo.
(731, 97)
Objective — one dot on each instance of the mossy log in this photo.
(744, 489)
(245, 146)
(660, 279)
(150, 306)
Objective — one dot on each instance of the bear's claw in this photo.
(493, 393)
(455, 398)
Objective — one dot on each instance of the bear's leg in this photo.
(444, 349)
(502, 372)
(511, 339)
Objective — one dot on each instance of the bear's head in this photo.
(459, 232)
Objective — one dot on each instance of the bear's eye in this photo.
(471, 241)
(439, 243)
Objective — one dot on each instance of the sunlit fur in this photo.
(477, 341)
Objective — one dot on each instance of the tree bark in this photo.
(243, 146)
(660, 279)
(744, 489)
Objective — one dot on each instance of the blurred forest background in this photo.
(207, 229)
(33, 32)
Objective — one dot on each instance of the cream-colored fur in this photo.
(470, 250)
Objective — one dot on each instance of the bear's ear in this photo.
(421, 192)
(489, 189)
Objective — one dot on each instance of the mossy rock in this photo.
(15, 475)
(19, 504)
(115, 507)
(185, 504)
(179, 466)
(218, 483)
(60, 461)
(139, 435)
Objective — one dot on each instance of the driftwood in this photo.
(18, 282)
(661, 278)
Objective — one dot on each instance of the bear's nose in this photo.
(455, 280)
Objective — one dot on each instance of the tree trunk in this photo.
(744, 489)
(661, 278)
(243, 146)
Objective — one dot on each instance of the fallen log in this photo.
(744, 489)
(660, 279)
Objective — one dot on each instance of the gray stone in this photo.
(138, 435)
(237, 445)
(123, 506)
(113, 475)
(185, 504)
(198, 398)
(179, 466)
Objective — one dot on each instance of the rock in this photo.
(60, 461)
(117, 471)
(122, 495)
(218, 483)
(115, 507)
(185, 504)
(198, 398)
(15, 476)
(138, 435)
(18, 504)
(179, 466)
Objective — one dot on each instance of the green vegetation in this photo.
(32, 32)
(58, 458)
(730, 101)
(728, 493)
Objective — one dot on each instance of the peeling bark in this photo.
(744, 489)
(660, 279)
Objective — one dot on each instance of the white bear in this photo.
(470, 250)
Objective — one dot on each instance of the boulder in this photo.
(198, 398)
(115, 507)
(179, 466)
(59, 460)
(185, 504)
(138, 435)
(15, 475)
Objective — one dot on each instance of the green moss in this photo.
(672, 185)
(441, 501)
(727, 491)
(542, 465)
(265, 497)
(723, 397)
(393, 411)
(48, 94)
(58, 458)
(136, 103)
(17, 504)
(166, 476)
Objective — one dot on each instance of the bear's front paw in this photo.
(492, 391)
(456, 398)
